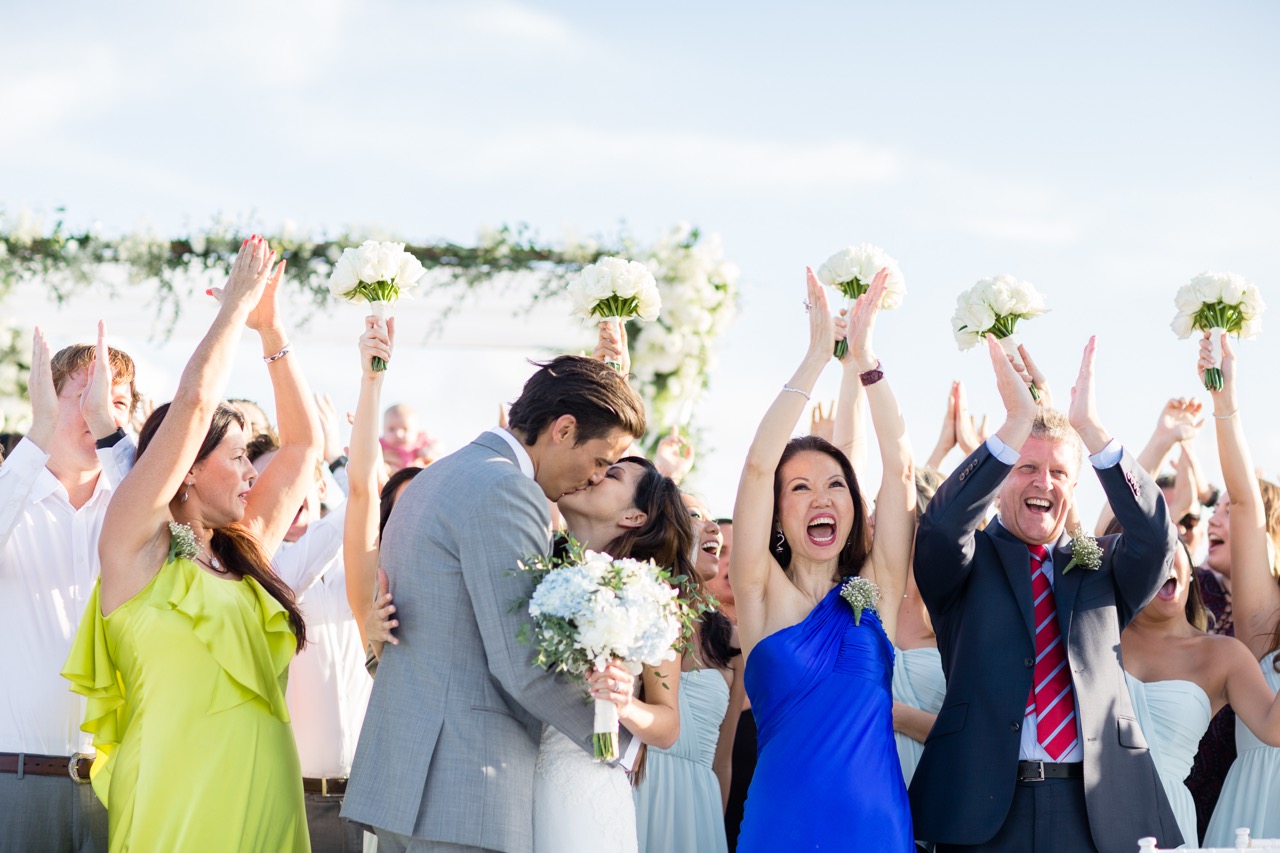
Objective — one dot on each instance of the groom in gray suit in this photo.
(1036, 746)
(446, 755)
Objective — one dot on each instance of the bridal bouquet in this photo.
(994, 306)
(1218, 302)
(615, 289)
(851, 270)
(589, 608)
(378, 273)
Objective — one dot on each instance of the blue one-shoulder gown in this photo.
(828, 776)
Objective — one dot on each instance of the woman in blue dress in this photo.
(818, 671)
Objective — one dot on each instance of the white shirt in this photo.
(48, 565)
(328, 686)
(1030, 749)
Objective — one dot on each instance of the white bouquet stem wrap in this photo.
(842, 345)
(1009, 343)
(615, 325)
(605, 737)
(380, 309)
(1215, 340)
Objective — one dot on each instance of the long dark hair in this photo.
(854, 553)
(239, 550)
(387, 497)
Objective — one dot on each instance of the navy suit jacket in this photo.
(977, 587)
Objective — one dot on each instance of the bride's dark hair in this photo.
(241, 553)
(854, 553)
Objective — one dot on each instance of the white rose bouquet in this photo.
(851, 270)
(589, 608)
(379, 273)
(1218, 302)
(614, 290)
(994, 306)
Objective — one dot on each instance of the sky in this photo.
(1104, 152)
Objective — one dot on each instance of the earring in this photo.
(781, 544)
(186, 492)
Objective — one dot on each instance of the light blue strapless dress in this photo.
(1251, 794)
(1173, 715)
(917, 681)
(678, 803)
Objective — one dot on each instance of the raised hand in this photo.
(822, 422)
(822, 338)
(378, 341)
(95, 402)
(862, 322)
(1083, 413)
(1224, 398)
(1014, 393)
(1180, 420)
(329, 425)
(611, 345)
(44, 398)
(1035, 378)
(673, 456)
(249, 274)
(265, 315)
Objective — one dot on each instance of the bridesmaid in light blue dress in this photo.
(1247, 524)
(1173, 715)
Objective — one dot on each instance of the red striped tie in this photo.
(1051, 695)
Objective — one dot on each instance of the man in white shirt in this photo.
(54, 490)
(328, 686)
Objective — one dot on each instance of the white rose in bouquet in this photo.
(851, 271)
(994, 306)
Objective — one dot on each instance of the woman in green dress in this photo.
(184, 648)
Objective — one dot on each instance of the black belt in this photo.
(1038, 771)
(328, 787)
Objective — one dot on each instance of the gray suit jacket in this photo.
(977, 586)
(451, 735)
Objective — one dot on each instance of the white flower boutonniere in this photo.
(862, 595)
(182, 541)
(1085, 552)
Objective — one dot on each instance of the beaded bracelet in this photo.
(795, 391)
(267, 359)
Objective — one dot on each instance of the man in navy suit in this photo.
(1037, 747)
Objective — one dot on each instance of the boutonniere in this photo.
(1085, 552)
(862, 595)
(182, 541)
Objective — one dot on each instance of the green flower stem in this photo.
(1213, 379)
(1035, 392)
(604, 746)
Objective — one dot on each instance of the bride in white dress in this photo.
(578, 803)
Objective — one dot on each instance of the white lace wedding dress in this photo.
(580, 805)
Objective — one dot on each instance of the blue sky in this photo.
(1105, 152)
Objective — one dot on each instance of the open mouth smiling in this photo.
(1038, 505)
(822, 529)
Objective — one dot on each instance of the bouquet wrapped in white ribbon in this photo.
(994, 306)
(851, 270)
(378, 273)
(1218, 302)
(589, 609)
(615, 290)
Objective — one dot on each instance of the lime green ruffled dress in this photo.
(185, 685)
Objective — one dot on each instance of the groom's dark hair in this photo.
(597, 396)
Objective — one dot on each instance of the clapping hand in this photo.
(96, 404)
(1179, 420)
(968, 432)
(249, 275)
(822, 339)
(822, 422)
(862, 322)
(1083, 413)
(1014, 392)
(674, 456)
(44, 398)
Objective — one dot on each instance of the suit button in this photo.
(1028, 662)
(1013, 727)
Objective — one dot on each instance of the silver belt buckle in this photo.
(73, 767)
(1039, 767)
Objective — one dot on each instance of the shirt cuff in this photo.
(1108, 456)
(1002, 451)
(26, 457)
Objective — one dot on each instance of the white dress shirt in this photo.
(1030, 748)
(328, 686)
(48, 565)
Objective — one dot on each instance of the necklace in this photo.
(213, 561)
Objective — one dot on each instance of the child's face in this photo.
(399, 427)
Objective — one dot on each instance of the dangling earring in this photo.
(781, 544)
(186, 493)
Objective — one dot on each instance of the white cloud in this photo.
(1044, 232)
